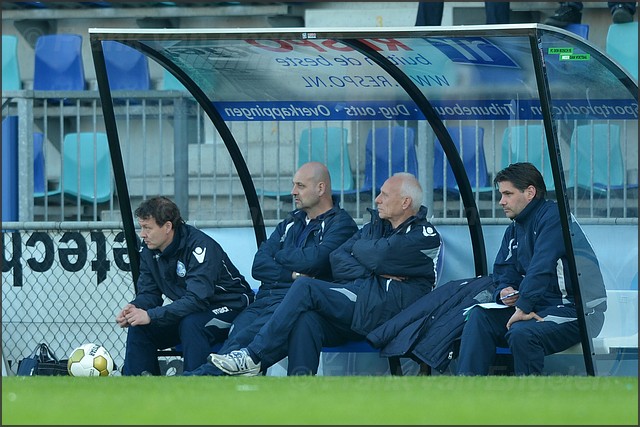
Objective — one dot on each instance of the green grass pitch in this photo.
(365, 400)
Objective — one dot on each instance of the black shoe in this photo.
(564, 16)
(621, 15)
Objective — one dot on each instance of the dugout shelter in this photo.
(560, 103)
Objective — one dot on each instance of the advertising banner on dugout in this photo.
(315, 69)
(323, 79)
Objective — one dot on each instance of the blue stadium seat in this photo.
(385, 155)
(127, 68)
(471, 151)
(10, 168)
(580, 29)
(86, 168)
(58, 63)
(39, 178)
(10, 67)
(622, 46)
(527, 143)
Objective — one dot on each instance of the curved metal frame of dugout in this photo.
(520, 50)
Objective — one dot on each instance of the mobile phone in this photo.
(514, 293)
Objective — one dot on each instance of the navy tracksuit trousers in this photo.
(529, 341)
(251, 319)
(314, 313)
(196, 332)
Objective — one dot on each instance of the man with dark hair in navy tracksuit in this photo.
(192, 270)
(298, 247)
(382, 269)
(532, 281)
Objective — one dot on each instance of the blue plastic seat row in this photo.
(59, 64)
(384, 151)
(588, 141)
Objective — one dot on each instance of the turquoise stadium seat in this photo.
(599, 142)
(327, 145)
(527, 143)
(10, 66)
(622, 46)
(86, 168)
(169, 81)
(127, 68)
(58, 63)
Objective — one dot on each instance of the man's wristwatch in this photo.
(296, 275)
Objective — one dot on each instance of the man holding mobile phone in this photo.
(511, 297)
(532, 278)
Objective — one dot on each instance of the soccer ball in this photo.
(90, 360)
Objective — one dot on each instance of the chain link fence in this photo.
(63, 284)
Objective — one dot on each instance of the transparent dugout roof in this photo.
(476, 73)
(498, 75)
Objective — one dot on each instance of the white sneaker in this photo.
(238, 362)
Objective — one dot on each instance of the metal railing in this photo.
(169, 147)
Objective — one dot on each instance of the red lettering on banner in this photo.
(392, 45)
(337, 45)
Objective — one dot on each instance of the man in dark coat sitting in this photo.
(382, 269)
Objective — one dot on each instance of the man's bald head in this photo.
(317, 172)
(312, 189)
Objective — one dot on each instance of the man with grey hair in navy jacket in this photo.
(383, 268)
